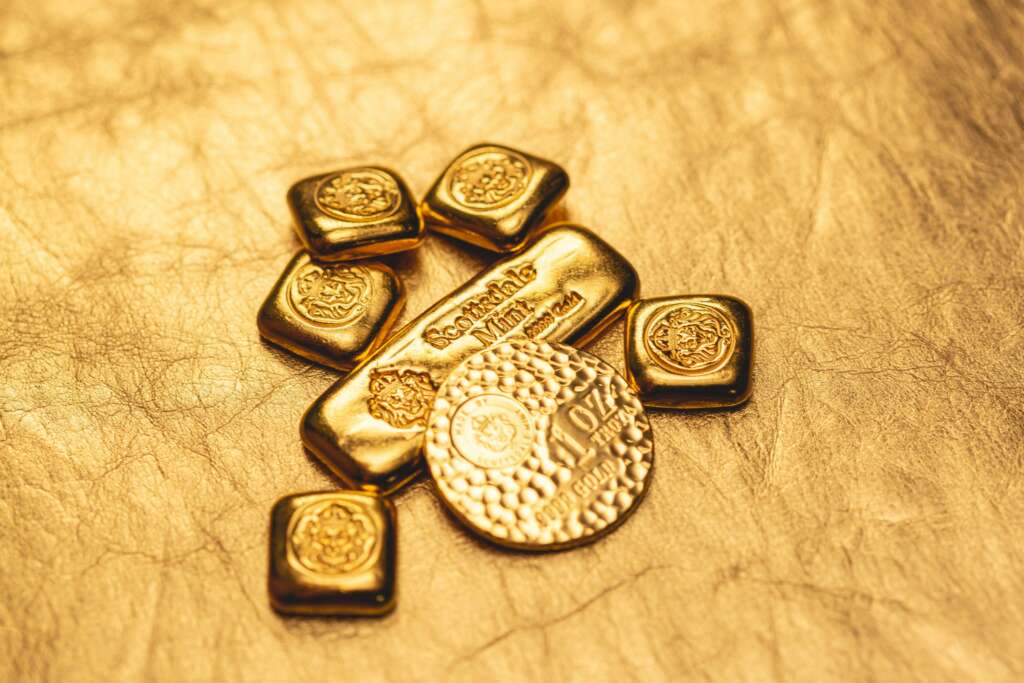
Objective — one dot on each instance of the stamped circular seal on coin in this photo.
(360, 195)
(538, 446)
(492, 430)
(489, 178)
(690, 339)
(333, 296)
(332, 537)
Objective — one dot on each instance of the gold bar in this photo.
(691, 351)
(355, 213)
(494, 197)
(336, 314)
(567, 286)
(333, 553)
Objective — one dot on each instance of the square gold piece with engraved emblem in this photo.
(690, 351)
(333, 553)
(355, 213)
(494, 197)
(331, 313)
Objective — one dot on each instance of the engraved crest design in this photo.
(332, 536)
(492, 430)
(361, 195)
(489, 178)
(690, 338)
(335, 296)
(401, 398)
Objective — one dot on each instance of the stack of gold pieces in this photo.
(532, 443)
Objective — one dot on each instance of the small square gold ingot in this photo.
(333, 553)
(355, 213)
(332, 313)
(690, 351)
(494, 197)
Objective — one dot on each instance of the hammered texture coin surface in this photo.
(539, 446)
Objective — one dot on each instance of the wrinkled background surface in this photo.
(853, 169)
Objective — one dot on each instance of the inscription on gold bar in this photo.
(332, 536)
(330, 295)
(361, 195)
(567, 285)
(538, 446)
(489, 178)
(400, 397)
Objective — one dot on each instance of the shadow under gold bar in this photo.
(566, 286)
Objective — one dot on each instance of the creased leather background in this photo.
(853, 169)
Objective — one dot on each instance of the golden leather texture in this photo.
(852, 169)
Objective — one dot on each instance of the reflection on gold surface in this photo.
(568, 284)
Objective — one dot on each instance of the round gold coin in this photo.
(539, 446)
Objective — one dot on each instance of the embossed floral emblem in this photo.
(401, 398)
(358, 195)
(690, 338)
(330, 295)
(489, 178)
(332, 537)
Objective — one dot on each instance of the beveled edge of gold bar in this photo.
(324, 248)
(269, 330)
(285, 602)
(465, 225)
(314, 428)
(695, 396)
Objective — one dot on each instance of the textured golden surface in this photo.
(355, 213)
(567, 285)
(690, 351)
(853, 170)
(539, 446)
(333, 553)
(494, 196)
(335, 314)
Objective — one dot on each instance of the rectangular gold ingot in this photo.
(336, 314)
(333, 553)
(566, 286)
(692, 351)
